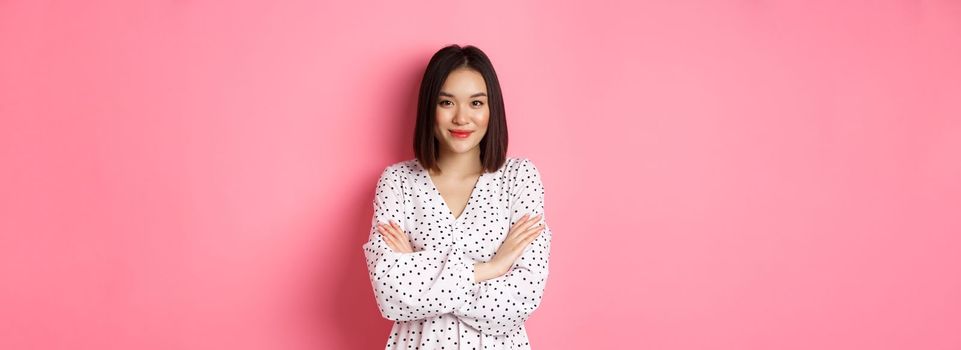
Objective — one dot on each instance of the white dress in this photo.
(431, 294)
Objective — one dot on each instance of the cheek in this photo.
(483, 117)
(442, 115)
(481, 114)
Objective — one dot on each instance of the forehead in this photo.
(463, 81)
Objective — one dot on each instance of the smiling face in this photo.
(461, 106)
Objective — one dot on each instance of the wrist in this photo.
(487, 270)
(497, 268)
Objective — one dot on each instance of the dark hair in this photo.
(493, 147)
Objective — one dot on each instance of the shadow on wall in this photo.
(353, 309)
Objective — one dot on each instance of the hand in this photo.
(521, 234)
(396, 239)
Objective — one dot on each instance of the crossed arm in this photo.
(494, 297)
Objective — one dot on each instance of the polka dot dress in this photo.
(431, 294)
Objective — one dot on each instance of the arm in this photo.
(409, 286)
(484, 271)
(502, 304)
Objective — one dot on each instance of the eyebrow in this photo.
(474, 95)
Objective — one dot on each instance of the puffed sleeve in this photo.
(410, 286)
(501, 305)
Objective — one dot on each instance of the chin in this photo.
(462, 149)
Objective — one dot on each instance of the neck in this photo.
(465, 164)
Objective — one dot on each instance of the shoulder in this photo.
(401, 169)
(521, 169)
(399, 173)
(520, 164)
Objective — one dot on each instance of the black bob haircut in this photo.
(493, 147)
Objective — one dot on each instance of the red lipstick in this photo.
(463, 134)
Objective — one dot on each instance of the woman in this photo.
(458, 248)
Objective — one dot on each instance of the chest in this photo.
(475, 219)
(455, 194)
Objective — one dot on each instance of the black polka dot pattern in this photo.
(431, 294)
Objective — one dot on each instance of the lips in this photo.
(461, 133)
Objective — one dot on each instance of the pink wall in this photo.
(720, 175)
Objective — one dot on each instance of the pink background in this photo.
(719, 175)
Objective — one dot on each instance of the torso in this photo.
(482, 218)
(478, 227)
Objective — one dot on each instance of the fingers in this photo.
(523, 226)
(523, 223)
(402, 237)
(395, 237)
(530, 235)
(533, 233)
(393, 230)
(522, 220)
(540, 224)
(388, 238)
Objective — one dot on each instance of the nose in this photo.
(460, 116)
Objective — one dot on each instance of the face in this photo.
(461, 105)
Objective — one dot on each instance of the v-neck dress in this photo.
(432, 294)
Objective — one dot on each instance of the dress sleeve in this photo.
(501, 305)
(410, 286)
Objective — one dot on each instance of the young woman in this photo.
(459, 247)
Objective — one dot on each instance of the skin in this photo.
(462, 105)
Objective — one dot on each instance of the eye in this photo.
(442, 103)
(479, 103)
